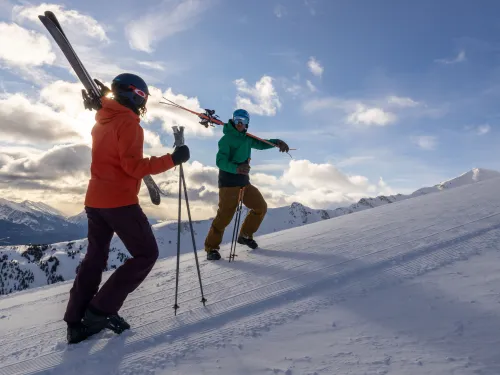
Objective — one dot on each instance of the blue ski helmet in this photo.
(132, 88)
(240, 115)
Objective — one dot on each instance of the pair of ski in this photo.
(94, 90)
(209, 118)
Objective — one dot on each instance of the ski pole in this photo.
(176, 306)
(203, 299)
(232, 252)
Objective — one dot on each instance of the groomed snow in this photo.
(406, 288)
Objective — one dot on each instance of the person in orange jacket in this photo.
(112, 206)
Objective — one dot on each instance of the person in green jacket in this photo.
(233, 160)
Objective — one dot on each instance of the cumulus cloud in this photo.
(171, 116)
(170, 17)
(58, 162)
(22, 47)
(371, 116)
(315, 67)
(24, 120)
(357, 112)
(60, 176)
(325, 186)
(76, 24)
(262, 99)
(425, 142)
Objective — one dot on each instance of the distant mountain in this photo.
(35, 222)
(23, 267)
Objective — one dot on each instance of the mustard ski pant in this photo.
(228, 202)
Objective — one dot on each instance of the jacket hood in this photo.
(229, 129)
(110, 109)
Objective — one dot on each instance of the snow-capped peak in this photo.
(41, 207)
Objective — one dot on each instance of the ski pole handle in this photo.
(178, 135)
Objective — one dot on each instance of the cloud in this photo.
(460, 58)
(280, 11)
(86, 34)
(261, 100)
(483, 129)
(325, 186)
(156, 65)
(63, 172)
(315, 67)
(169, 18)
(358, 113)
(22, 47)
(170, 116)
(78, 26)
(371, 116)
(311, 87)
(26, 121)
(425, 142)
(293, 89)
(58, 177)
(58, 162)
(402, 102)
(152, 139)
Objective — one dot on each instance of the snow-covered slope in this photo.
(380, 291)
(57, 262)
(471, 177)
(37, 265)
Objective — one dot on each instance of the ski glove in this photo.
(180, 155)
(243, 168)
(282, 146)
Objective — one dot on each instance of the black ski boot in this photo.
(248, 241)
(77, 333)
(213, 255)
(96, 322)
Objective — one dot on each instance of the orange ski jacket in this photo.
(118, 164)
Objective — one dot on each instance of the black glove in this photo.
(243, 168)
(180, 155)
(282, 146)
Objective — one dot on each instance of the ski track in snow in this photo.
(295, 273)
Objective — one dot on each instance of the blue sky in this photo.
(400, 90)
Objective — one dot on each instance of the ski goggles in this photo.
(241, 120)
(141, 93)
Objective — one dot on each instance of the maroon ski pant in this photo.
(132, 227)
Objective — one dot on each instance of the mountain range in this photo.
(25, 266)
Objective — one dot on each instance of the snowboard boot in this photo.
(250, 242)
(213, 255)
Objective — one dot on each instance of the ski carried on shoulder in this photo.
(209, 118)
(94, 89)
